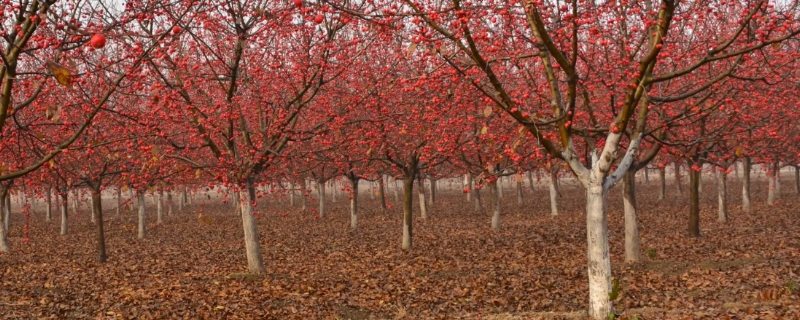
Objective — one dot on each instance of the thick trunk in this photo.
(321, 186)
(553, 193)
(7, 213)
(530, 182)
(646, 175)
(632, 254)
(408, 202)
(519, 190)
(774, 190)
(159, 207)
(97, 204)
(64, 213)
(694, 203)
(49, 212)
(255, 261)
(354, 204)
(94, 210)
(422, 204)
(662, 182)
(119, 200)
(599, 265)
(182, 200)
(746, 184)
(678, 183)
(468, 184)
(142, 217)
(478, 201)
(4, 223)
(499, 186)
(169, 203)
(372, 190)
(495, 192)
(396, 194)
(722, 196)
(334, 191)
(382, 192)
(291, 194)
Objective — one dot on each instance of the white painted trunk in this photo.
(468, 182)
(255, 262)
(746, 185)
(599, 267)
(499, 184)
(632, 245)
(722, 196)
(771, 194)
(49, 213)
(321, 199)
(291, 194)
(142, 217)
(354, 205)
(159, 207)
(408, 203)
(422, 204)
(94, 214)
(64, 214)
(303, 188)
(553, 194)
(495, 205)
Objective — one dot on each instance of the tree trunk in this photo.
(159, 207)
(553, 193)
(382, 192)
(599, 264)
(519, 190)
(333, 190)
(396, 195)
(468, 184)
(372, 190)
(422, 204)
(255, 261)
(408, 202)
(169, 203)
(321, 187)
(303, 188)
(646, 176)
(694, 203)
(94, 209)
(4, 222)
(662, 182)
(632, 245)
(49, 212)
(678, 179)
(772, 192)
(478, 201)
(494, 190)
(7, 212)
(119, 200)
(142, 226)
(354, 204)
(291, 194)
(182, 200)
(433, 191)
(722, 196)
(530, 181)
(97, 205)
(64, 213)
(746, 185)
(797, 180)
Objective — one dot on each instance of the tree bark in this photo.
(774, 186)
(7, 212)
(746, 185)
(408, 202)
(494, 190)
(94, 209)
(530, 181)
(422, 204)
(291, 194)
(394, 189)
(599, 265)
(159, 207)
(321, 187)
(4, 247)
(142, 217)
(553, 193)
(694, 203)
(119, 200)
(478, 201)
(662, 180)
(372, 190)
(303, 188)
(255, 261)
(499, 186)
(64, 213)
(722, 196)
(97, 205)
(468, 185)
(182, 200)
(433, 191)
(632, 254)
(678, 183)
(519, 190)
(354, 203)
(334, 190)
(797, 180)
(169, 203)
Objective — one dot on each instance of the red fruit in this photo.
(97, 41)
(298, 3)
(318, 19)
(176, 29)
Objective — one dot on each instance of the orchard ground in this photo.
(192, 266)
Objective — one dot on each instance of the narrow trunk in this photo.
(478, 201)
(255, 261)
(119, 200)
(662, 182)
(632, 254)
(303, 188)
(291, 194)
(678, 179)
(94, 209)
(354, 204)
(599, 265)
(746, 184)
(396, 194)
(408, 202)
(797, 180)
(169, 203)
(97, 205)
(519, 190)
(142, 226)
(321, 186)
(49, 212)
(182, 200)
(499, 186)
(382, 193)
(771, 194)
(722, 196)
(646, 175)
(553, 193)
(372, 190)
(422, 205)
(694, 203)
(495, 192)
(64, 214)
(333, 191)
(159, 207)
(7, 212)
(433, 191)
(4, 223)
(530, 182)
(468, 181)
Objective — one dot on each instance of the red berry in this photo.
(176, 29)
(318, 19)
(97, 41)
(298, 3)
